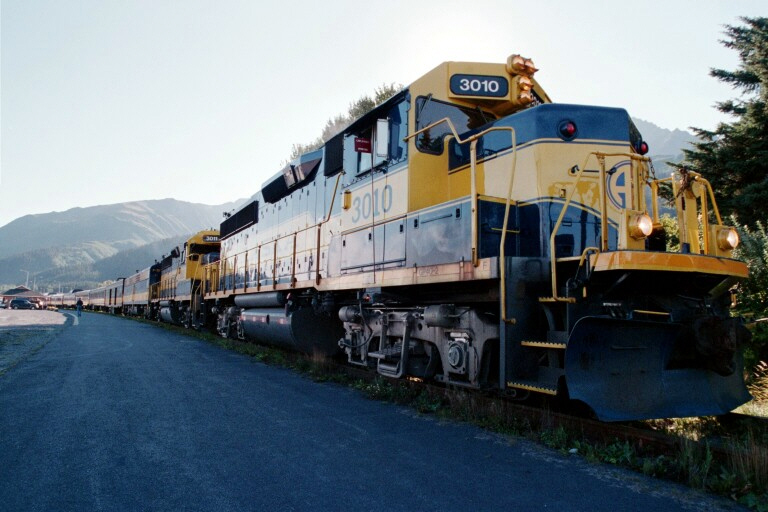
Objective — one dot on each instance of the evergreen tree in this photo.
(752, 301)
(356, 109)
(734, 157)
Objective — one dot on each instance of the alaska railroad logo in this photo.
(618, 185)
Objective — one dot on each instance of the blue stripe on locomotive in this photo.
(543, 122)
(442, 235)
(530, 225)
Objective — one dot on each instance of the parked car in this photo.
(21, 304)
(2, 304)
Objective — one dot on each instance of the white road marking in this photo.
(77, 320)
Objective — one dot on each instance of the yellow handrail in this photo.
(474, 199)
(472, 139)
(502, 247)
(600, 156)
(224, 268)
(684, 218)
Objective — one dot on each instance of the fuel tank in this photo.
(300, 330)
(169, 312)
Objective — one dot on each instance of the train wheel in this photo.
(194, 322)
(227, 322)
(225, 331)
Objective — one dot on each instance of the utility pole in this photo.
(27, 283)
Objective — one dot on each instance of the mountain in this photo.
(665, 145)
(103, 230)
(65, 248)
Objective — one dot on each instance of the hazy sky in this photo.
(106, 101)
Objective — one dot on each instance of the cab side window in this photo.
(361, 153)
(429, 111)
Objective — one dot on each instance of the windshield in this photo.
(429, 111)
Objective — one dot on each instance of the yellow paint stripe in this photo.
(669, 262)
(527, 146)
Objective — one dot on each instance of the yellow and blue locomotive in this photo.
(177, 295)
(471, 232)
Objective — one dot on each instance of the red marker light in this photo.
(642, 148)
(567, 130)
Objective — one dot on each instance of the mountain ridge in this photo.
(50, 245)
(122, 225)
(663, 141)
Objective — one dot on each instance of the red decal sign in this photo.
(362, 145)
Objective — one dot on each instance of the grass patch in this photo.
(741, 476)
(17, 345)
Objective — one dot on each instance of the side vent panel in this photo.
(334, 155)
(245, 217)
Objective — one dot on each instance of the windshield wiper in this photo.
(423, 105)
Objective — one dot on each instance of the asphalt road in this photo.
(111, 414)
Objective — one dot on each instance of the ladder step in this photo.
(534, 386)
(391, 352)
(558, 300)
(388, 370)
(543, 344)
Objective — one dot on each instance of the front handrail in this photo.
(556, 228)
(688, 212)
(600, 156)
(687, 209)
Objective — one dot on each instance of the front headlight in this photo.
(727, 239)
(640, 226)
